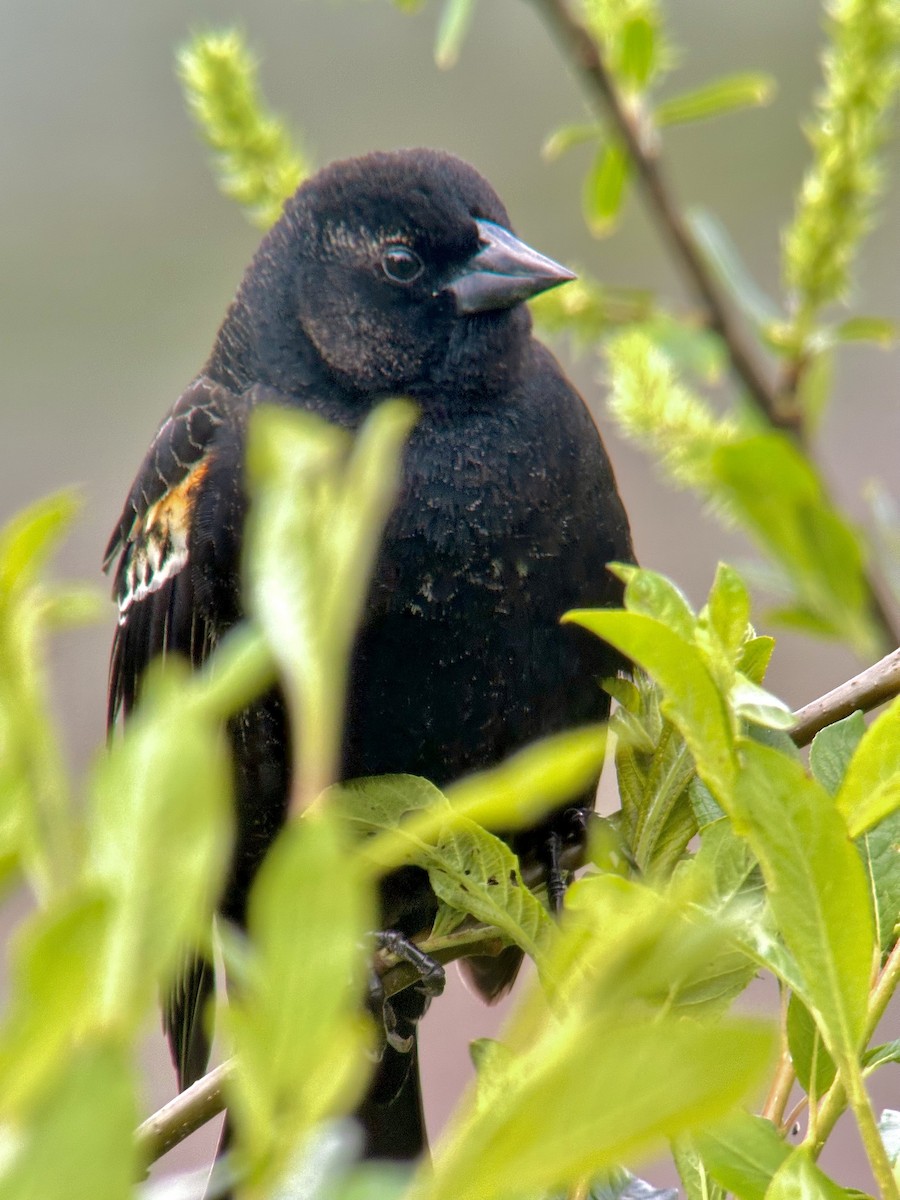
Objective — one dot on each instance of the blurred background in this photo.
(118, 258)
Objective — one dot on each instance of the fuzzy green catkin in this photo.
(658, 413)
(256, 161)
(834, 207)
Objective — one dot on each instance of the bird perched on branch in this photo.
(392, 274)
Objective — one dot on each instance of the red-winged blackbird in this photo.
(392, 274)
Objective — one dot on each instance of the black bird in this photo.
(392, 274)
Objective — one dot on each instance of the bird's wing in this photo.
(148, 553)
(149, 547)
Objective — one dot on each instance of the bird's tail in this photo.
(391, 1114)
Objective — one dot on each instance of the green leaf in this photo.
(169, 771)
(637, 53)
(533, 781)
(604, 188)
(731, 92)
(628, 1084)
(726, 261)
(57, 960)
(753, 661)
(814, 1065)
(880, 852)
(297, 1025)
(728, 609)
(799, 1177)
(568, 136)
(870, 790)
(879, 1056)
(692, 701)
(880, 330)
(469, 869)
(653, 594)
(832, 748)
(776, 495)
(456, 17)
(318, 508)
(695, 1178)
(743, 1153)
(78, 1142)
(817, 888)
(760, 707)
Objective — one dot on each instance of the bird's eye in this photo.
(401, 264)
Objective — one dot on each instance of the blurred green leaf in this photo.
(57, 956)
(628, 1085)
(870, 789)
(731, 92)
(533, 781)
(319, 503)
(36, 821)
(743, 1153)
(568, 136)
(817, 888)
(456, 17)
(79, 1140)
(604, 188)
(880, 330)
(691, 346)
(776, 495)
(814, 1065)
(725, 259)
(832, 748)
(169, 772)
(297, 1026)
(637, 55)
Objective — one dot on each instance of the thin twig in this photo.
(582, 51)
(874, 686)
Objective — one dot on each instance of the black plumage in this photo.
(392, 274)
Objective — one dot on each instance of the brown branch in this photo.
(874, 686)
(582, 51)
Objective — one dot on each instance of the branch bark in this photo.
(872, 687)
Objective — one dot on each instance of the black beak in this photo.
(503, 272)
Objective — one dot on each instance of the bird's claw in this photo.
(399, 1028)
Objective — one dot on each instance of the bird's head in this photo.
(398, 272)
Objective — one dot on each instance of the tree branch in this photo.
(874, 686)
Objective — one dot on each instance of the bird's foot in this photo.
(399, 1015)
(571, 831)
